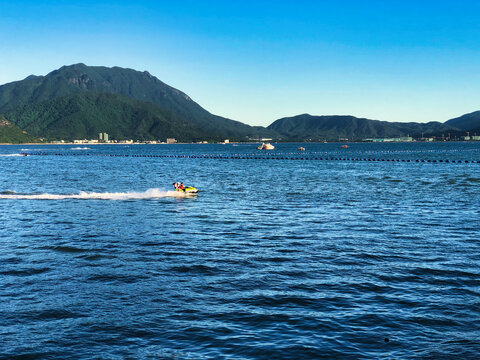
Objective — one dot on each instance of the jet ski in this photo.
(188, 190)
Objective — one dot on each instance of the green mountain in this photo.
(12, 134)
(467, 122)
(85, 114)
(78, 79)
(333, 127)
(79, 101)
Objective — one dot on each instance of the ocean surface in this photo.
(369, 252)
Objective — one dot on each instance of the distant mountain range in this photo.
(334, 127)
(79, 101)
(468, 122)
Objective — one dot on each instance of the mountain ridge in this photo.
(334, 127)
(142, 86)
(78, 101)
(84, 115)
(467, 122)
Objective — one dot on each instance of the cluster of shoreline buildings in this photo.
(427, 139)
(103, 138)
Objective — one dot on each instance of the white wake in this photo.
(149, 194)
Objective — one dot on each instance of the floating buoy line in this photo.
(287, 156)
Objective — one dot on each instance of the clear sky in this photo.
(257, 61)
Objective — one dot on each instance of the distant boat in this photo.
(344, 146)
(266, 146)
(301, 148)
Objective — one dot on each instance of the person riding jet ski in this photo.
(181, 187)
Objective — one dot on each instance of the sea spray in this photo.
(83, 195)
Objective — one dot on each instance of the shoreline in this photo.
(257, 142)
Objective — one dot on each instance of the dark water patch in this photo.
(11, 260)
(272, 259)
(196, 269)
(472, 180)
(453, 273)
(463, 348)
(410, 237)
(465, 184)
(149, 244)
(63, 222)
(231, 234)
(166, 243)
(278, 301)
(28, 355)
(95, 236)
(373, 257)
(240, 285)
(95, 257)
(26, 272)
(236, 261)
(370, 287)
(201, 216)
(310, 352)
(50, 314)
(434, 322)
(462, 290)
(403, 278)
(294, 193)
(117, 278)
(174, 253)
(69, 249)
(288, 251)
(25, 219)
(295, 274)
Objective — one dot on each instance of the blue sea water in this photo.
(274, 259)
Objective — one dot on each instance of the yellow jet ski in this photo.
(188, 189)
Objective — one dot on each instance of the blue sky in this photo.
(257, 61)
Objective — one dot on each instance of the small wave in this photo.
(11, 155)
(80, 148)
(197, 268)
(68, 249)
(149, 194)
(25, 272)
(472, 179)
